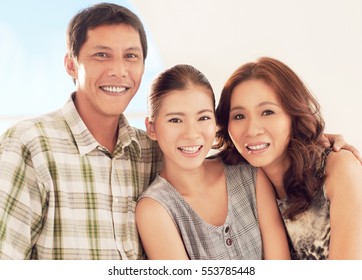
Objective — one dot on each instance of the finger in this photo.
(338, 144)
(325, 141)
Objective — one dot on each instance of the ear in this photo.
(70, 66)
(150, 129)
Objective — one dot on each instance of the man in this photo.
(70, 180)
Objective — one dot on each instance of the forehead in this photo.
(123, 34)
(255, 89)
(189, 98)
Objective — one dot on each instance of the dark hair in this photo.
(98, 15)
(178, 77)
(304, 149)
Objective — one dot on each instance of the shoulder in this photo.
(26, 130)
(145, 142)
(162, 192)
(149, 210)
(157, 186)
(139, 133)
(343, 174)
(241, 171)
(342, 161)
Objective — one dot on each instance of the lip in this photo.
(114, 90)
(257, 147)
(190, 151)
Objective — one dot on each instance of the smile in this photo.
(257, 147)
(114, 89)
(190, 149)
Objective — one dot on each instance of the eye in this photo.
(204, 118)
(239, 117)
(174, 120)
(131, 56)
(267, 113)
(101, 55)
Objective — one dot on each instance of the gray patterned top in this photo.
(238, 238)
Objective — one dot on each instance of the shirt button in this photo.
(116, 200)
(227, 229)
(229, 242)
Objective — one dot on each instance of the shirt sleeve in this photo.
(20, 200)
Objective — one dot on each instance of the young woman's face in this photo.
(185, 127)
(258, 125)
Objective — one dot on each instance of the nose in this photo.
(254, 127)
(117, 68)
(192, 130)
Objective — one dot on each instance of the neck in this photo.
(106, 133)
(103, 128)
(275, 174)
(185, 180)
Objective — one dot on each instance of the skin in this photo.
(108, 73)
(185, 130)
(260, 129)
(257, 117)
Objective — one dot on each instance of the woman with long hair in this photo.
(267, 117)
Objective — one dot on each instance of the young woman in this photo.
(197, 208)
(268, 115)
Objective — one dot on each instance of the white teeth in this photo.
(190, 150)
(258, 147)
(114, 89)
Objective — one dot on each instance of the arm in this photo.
(275, 244)
(20, 208)
(344, 191)
(339, 143)
(158, 233)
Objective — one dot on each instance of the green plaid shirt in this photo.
(63, 196)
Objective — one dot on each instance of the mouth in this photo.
(114, 89)
(190, 149)
(259, 147)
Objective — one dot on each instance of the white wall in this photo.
(320, 40)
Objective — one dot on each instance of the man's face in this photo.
(108, 71)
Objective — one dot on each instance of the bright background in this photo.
(320, 40)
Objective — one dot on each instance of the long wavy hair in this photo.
(301, 180)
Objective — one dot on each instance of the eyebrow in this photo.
(101, 47)
(183, 114)
(261, 104)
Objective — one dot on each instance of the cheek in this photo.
(233, 132)
(137, 74)
(284, 131)
(212, 132)
(236, 136)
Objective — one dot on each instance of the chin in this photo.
(256, 163)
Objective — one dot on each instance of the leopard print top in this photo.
(309, 233)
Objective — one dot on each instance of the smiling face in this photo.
(184, 127)
(108, 71)
(258, 125)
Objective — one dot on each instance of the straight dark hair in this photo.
(99, 15)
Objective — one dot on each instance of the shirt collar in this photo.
(126, 138)
(85, 140)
